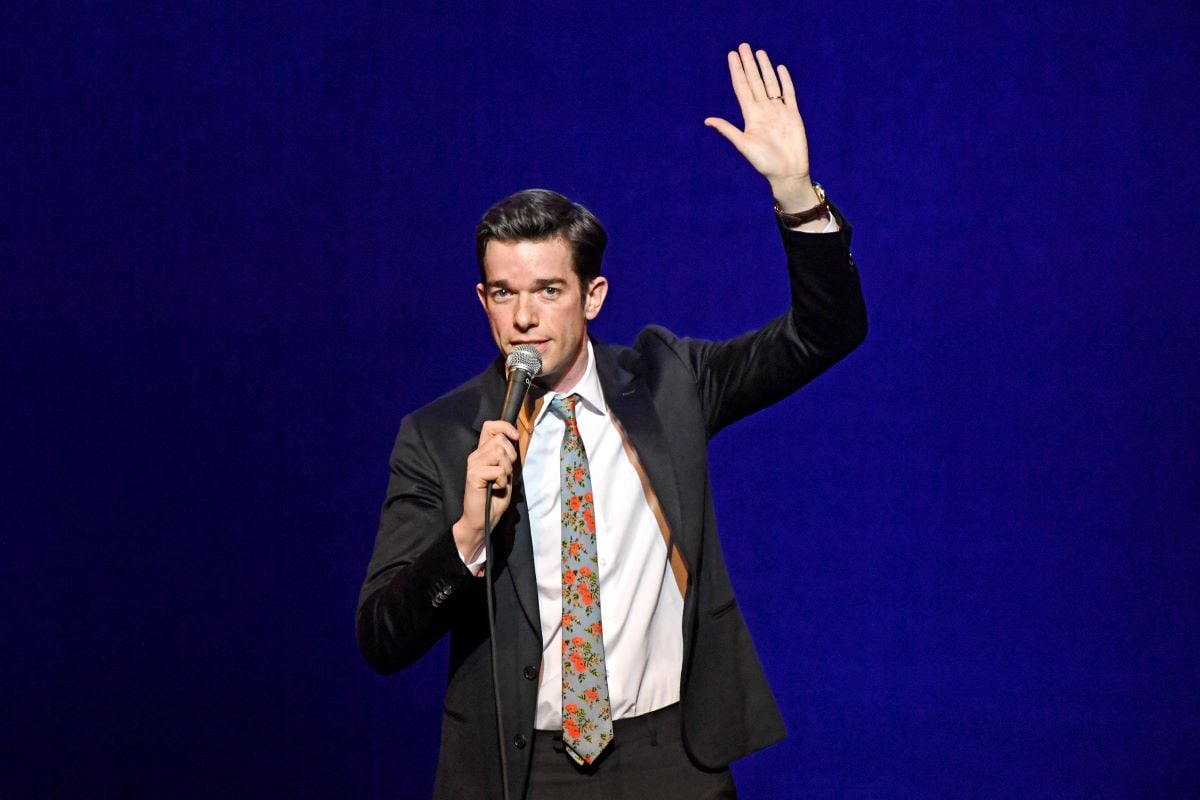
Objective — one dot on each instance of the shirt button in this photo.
(530, 673)
(604, 562)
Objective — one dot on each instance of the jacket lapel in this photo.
(630, 403)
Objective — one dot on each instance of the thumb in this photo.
(726, 129)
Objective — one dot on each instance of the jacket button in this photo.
(530, 673)
(519, 741)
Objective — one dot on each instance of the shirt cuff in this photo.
(475, 565)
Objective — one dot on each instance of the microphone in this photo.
(522, 366)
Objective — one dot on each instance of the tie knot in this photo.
(564, 407)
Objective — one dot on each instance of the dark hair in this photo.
(540, 214)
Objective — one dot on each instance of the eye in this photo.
(552, 291)
(500, 293)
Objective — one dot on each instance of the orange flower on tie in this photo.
(568, 620)
(577, 641)
(579, 474)
(568, 579)
(575, 503)
(578, 663)
(585, 594)
(585, 570)
(572, 708)
(596, 629)
(571, 727)
(591, 694)
(574, 549)
(589, 517)
(587, 498)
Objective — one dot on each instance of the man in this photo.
(625, 667)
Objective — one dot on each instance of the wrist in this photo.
(813, 219)
(467, 538)
(794, 194)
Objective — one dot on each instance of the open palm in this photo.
(773, 140)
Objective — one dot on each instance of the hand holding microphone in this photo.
(491, 463)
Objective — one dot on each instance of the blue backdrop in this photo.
(237, 249)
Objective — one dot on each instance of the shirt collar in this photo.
(588, 389)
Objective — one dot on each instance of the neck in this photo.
(570, 377)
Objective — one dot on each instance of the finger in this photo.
(789, 91)
(480, 476)
(507, 450)
(726, 129)
(493, 475)
(730, 132)
(753, 79)
(497, 451)
(497, 427)
(741, 89)
(768, 74)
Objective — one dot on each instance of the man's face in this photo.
(533, 296)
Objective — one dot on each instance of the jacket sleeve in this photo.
(416, 579)
(827, 319)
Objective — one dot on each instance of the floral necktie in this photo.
(587, 715)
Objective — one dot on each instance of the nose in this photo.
(526, 316)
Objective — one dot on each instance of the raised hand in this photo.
(773, 141)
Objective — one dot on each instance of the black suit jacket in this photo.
(670, 396)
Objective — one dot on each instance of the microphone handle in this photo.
(514, 396)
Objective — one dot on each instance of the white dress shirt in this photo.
(641, 604)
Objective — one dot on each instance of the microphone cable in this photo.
(489, 577)
(522, 365)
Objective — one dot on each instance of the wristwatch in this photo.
(821, 209)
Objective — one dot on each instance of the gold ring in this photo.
(777, 97)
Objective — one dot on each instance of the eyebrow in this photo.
(540, 283)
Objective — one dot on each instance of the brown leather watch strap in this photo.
(821, 209)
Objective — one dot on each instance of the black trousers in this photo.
(645, 760)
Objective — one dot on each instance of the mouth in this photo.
(541, 344)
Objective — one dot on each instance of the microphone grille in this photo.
(524, 357)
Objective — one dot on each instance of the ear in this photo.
(593, 298)
(481, 292)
